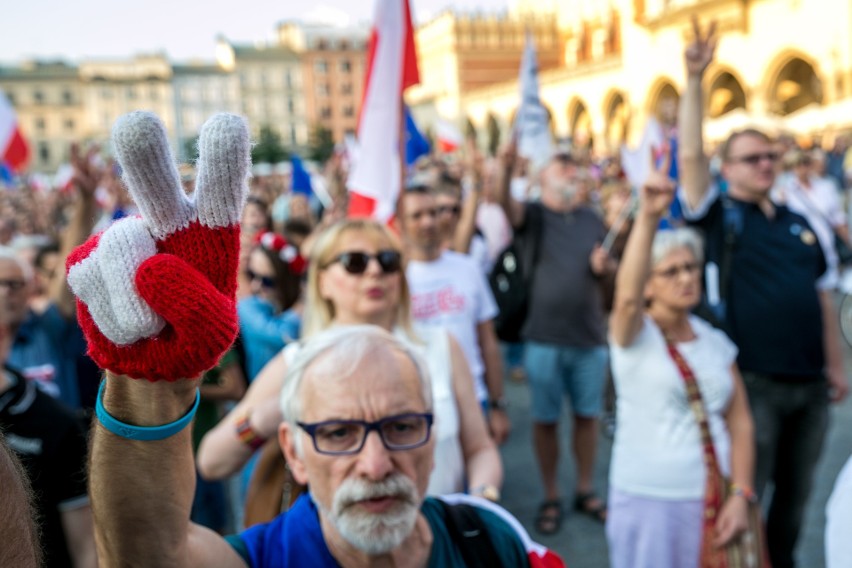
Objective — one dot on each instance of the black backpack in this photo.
(511, 277)
(470, 535)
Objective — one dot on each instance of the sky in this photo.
(183, 29)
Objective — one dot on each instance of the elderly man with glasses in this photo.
(156, 302)
(763, 268)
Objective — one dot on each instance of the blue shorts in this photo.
(554, 371)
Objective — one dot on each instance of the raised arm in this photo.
(513, 208)
(145, 287)
(86, 179)
(693, 165)
(629, 304)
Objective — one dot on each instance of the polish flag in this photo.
(14, 151)
(449, 137)
(374, 183)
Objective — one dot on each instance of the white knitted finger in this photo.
(149, 170)
(224, 161)
(105, 282)
(121, 250)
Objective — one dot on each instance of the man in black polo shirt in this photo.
(768, 281)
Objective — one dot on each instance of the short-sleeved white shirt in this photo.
(657, 451)
(451, 292)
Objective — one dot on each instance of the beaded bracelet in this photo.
(248, 435)
(142, 433)
(745, 492)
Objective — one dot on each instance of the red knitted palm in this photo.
(156, 295)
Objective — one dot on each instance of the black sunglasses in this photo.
(754, 159)
(265, 281)
(356, 262)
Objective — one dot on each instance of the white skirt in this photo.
(644, 532)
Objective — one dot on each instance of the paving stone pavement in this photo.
(582, 542)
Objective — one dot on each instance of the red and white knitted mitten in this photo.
(156, 294)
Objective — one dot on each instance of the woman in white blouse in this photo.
(657, 474)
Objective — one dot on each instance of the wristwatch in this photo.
(486, 491)
(498, 403)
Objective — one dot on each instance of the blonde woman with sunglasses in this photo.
(355, 277)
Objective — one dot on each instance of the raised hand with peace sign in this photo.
(699, 53)
(155, 294)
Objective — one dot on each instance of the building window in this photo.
(131, 93)
(292, 135)
(325, 112)
(321, 66)
(322, 89)
(154, 94)
(43, 152)
(346, 89)
(38, 97)
(288, 79)
(67, 98)
(345, 66)
(69, 125)
(291, 108)
(348, 111)
(39, 124)
(11, 97)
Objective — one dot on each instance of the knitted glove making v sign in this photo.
(156, 294)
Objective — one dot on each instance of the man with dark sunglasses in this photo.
(763, 281)
(449, 290)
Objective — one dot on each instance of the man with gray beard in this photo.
(565, 351)
(366, 504)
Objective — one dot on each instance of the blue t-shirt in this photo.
(295, 539)
(264, 332)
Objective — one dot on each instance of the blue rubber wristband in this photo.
(142, 433)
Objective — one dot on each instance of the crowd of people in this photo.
(292, 332)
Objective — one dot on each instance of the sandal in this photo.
(548, 520)
(591, 505)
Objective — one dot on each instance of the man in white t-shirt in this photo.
(449, 290)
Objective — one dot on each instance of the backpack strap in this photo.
(470, 535)
(531, 241)
(732, 222)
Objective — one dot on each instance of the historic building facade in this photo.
(778, 61)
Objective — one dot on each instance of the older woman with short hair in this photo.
(658, 471)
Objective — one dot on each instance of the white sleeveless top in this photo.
(434, 346)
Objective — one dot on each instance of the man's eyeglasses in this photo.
(754, 159)
(265, 281)
(691, 268)
(443, 209)
(356, 262)
(13, 285)
(347, 437)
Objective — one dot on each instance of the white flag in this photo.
(532, 125)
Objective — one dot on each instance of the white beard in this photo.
(374, 533)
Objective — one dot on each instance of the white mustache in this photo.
(354, 490)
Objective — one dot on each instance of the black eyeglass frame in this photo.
(389, 260)
(265, 281)
(311, 429)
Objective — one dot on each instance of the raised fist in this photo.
(156, 294)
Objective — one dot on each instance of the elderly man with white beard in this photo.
(156, 303)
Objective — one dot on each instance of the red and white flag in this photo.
(375, 180)
(14, 151)
(449, 137)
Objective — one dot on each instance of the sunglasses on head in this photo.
(265, 281)
(356, 262)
